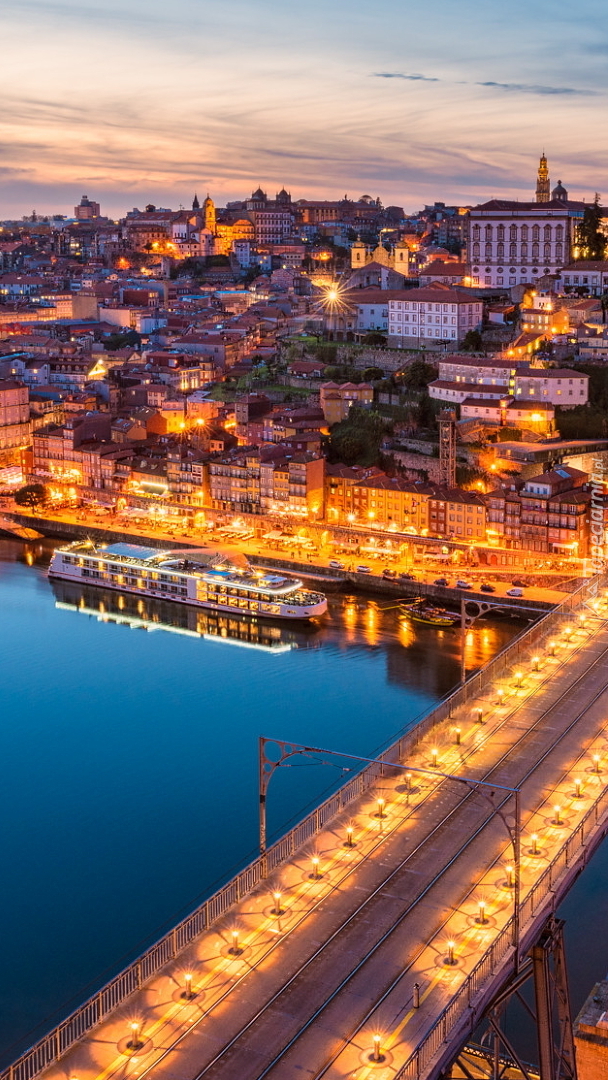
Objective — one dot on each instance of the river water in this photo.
(129, 761)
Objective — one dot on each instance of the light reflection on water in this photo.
(129, 747)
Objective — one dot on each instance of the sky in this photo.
(413, 101)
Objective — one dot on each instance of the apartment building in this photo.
(438, 313)
(548, 513)
(15, 429)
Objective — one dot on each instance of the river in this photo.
(129, 760)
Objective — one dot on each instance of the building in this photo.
(509, 243)
(434, 315)
(391, 501)
(548, 513)
(397, 258)
(341, 489)
(526, 415)
(448, 273)
(87, 210)
(457, 514)
(584, 275)
(559, 386)
(336, 399)
(254, 481)
(15, 430)
(293, 485)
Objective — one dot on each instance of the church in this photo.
(396, 259)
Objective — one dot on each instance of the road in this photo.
(319, 980)
(319, 559)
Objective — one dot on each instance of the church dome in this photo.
(559, 193)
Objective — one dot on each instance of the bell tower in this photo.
(543, 187)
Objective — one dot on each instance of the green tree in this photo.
(425, 414)
(419, 374)
(31, 495)
(374, 338)
(372, 373)
(591, 240)
(473, 341)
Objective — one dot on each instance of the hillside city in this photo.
(330, 373)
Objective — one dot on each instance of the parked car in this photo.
(335, 564)
(520, 584)
(441, 581)
(515, 592)
(361, 569)
(390, 575)
(463, 585)
(407, 577)
(486, 587)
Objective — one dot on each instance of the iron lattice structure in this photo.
(447, 447)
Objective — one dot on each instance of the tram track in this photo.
(365, 906)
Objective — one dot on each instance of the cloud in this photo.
(524, 88)
(400, 75)
(514, 88)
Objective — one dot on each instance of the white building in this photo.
(588, 275)
(437, 312)
(560, 386)
(510, 243)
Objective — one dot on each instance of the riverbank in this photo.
(535, 600)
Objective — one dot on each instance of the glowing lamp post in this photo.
(349, 836)
(481, 913)
(277, 903)
(135, 1041)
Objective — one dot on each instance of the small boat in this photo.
(432, 616)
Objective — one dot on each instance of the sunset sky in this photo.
(146, 101)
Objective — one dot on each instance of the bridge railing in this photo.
(67, 1033)
(542, 894)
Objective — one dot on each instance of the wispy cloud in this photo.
(401, 75)
(525, 88)
(513, 88)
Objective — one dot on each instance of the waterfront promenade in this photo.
(314, 970)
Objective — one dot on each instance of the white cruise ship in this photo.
(210, 580)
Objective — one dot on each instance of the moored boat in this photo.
(206, 579)
(432, 616)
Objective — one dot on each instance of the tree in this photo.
(372, 373)
(130, 338)
(419, 374)
(473, 341)
(591, 240)
(425, 414)
(31, 495)
(374, 338)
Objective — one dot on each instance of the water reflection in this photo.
(418, 656)
(150, 613)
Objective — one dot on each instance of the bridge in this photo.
(371, 940)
